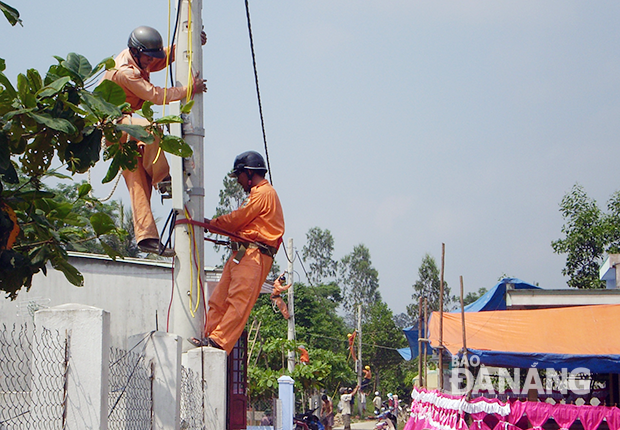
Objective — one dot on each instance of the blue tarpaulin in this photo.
(495, 298)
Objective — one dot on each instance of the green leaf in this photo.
(84, 190)
(107, 63)
(85, 153)
(112, 253)
(112, 170)
(35, 79)
(53, 88)
(169, 119)
(102, 223)
(22, 85)
(137, 132)
(175, 145)
(111, 92)
(187, 108)
(59, 124)
(146, 111)
(4, 81)
(11, 14)
(2, 65)
(71, 273)
(78, 65)
(99, 107)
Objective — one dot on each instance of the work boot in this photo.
(165, 188)
(154, 246)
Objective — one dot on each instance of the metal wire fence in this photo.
(33, 375)
(130, 402)
(192, 400)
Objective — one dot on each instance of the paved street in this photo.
(362, 425)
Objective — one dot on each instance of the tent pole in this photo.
(464, 335)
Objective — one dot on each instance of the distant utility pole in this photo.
(359, 357)
(187, 311)
(291, 305)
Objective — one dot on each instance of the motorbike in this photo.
(386, 420)
(307, 421)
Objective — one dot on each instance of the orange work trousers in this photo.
(152, 168)
(281, 304)
(234, 297)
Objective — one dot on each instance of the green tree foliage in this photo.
(472, 297)
(380, 339)
(318, 252)
(59, 117)
(232, 196)
(319, 328)
(428, 286)
(360, 280)
(589, 234)
(122, 243)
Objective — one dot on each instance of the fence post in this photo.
(210, 364)
(164, 351)
(87, 385)
(287, 400)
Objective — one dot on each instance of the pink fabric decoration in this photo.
(565, 415)
(613, 418)
(538, 413)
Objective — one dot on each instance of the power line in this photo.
(260, 105)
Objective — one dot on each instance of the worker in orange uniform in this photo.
(351, 338)
(260, 221)
(276, 295)
(145, 54)
(304, 358)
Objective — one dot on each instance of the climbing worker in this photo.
(145, 53)
(276, 295)
(367, 375)
(304, 358)
(260, 221)
(351, 339)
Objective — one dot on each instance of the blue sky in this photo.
(397, 124)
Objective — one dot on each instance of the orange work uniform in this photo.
(304, 358)
(153, 168)
(276, 297)
(259, 219)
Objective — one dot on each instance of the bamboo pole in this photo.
(420, 336)
(440, 370)
(425, 344)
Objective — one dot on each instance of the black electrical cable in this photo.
(260, 105)
(174, 34)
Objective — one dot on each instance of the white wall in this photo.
(131, 290)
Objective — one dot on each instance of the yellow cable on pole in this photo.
(193, 249)
(190, 51)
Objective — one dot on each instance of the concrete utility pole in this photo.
(291, 305)
(187, 312)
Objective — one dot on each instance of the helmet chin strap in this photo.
(135, 53)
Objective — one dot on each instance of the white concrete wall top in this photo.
(527, 299)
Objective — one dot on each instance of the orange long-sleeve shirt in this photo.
(259, 219)
(137, 82)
